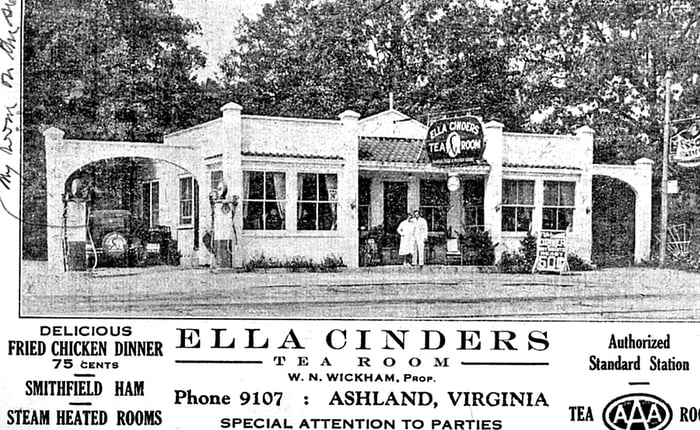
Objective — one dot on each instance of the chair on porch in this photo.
(454, 253)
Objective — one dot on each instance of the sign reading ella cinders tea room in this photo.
(455, 140)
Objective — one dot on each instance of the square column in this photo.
(583, 215)
(348, 184)
(642, 210)
(53, 138)
(233, 173)
(493, 186)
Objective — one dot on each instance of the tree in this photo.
(102, 69)
(603, 63)
(310, 58)
(110, 70)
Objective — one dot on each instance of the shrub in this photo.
(331, 263)
(528, 246)
(522, 260)
(514, 262)
(577, 264)
(299, 263)
(477, 248)
(261, 262)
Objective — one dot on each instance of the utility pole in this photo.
(664, 170)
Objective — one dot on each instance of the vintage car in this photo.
(160, 247)
(115, 238)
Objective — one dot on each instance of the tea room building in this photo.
(315, 188)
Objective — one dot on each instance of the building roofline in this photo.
(516, 166)
(389, 111)
(291, 119)
(193, 128)
(125, 142)
(541, 135)
(290, 155)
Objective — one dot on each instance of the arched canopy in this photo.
(65, 156)
(638, 177)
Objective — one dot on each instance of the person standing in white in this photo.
(420, 236)
(405, 230)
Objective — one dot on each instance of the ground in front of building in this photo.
(375, 293)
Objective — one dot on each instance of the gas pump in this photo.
(75, 218)
(224, 235)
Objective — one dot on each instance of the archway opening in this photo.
(153, 204)
(613, 220)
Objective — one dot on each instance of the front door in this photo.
(395, 205)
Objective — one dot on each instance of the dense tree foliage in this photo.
(603, 63)
(103, 69)
(109, 69)
(310, 58)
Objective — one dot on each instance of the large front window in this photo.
(318, 196)
(558, 207)
(264, 199)
(434, 201)
(518, 203)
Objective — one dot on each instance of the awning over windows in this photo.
(405, 155)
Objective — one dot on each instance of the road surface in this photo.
(435, 293)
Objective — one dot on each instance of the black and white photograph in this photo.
(350, 214)
(361, 159)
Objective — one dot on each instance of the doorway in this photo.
(395, 205)
(613, 220)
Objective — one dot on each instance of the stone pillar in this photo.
(231, 140)
(348, 184)
(642, 210)
(493, 187)
(583, 214)
(53, 140)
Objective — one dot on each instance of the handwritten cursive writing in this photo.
(7, 12)
(9, 44)
(6, 182)
(7, 77)
(6, 178)
(8, 129)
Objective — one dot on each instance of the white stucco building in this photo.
(315, 187)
